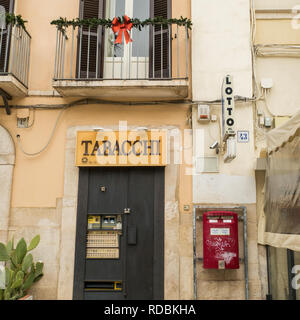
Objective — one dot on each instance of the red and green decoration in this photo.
(63, 23)
(122, 28)
(15, 20)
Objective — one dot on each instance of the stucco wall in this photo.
(39, 15)
(275, 4)
(38, 181)
(284, 97)
(44, 193)
(221, 46)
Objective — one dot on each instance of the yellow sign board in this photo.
(121, 148)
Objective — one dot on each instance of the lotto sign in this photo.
(228, 108)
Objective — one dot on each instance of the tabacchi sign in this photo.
(121, 148)
(228, 108)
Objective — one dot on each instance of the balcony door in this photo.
(127, 61)
(148, 56)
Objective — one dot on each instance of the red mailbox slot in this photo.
(220, 240)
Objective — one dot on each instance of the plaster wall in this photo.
(221, 46)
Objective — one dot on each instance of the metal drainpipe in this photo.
(244, 209)
(246, 254)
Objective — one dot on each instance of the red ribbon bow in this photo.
(122, 28)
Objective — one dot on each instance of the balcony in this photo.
(154, 66)
(14, 61)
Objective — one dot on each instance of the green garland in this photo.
(63, 23)
(15, 20)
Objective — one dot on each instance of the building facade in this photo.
(113, 152)
(224, 43)
(85, 83)
(277, 58)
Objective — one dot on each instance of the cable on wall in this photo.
(49, 140)
(73, 104)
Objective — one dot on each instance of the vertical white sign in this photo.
(228, 108)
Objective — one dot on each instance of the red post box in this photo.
(220, 240)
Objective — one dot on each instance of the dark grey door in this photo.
(125, 205)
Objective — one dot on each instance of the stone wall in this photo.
(7, 161)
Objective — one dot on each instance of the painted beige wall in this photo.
(44, 36)
(276, 32)
(38, 181)
(221, 46)
(275, 4)
(284, 97)
(239, 174)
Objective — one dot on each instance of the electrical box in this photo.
(261, 120)
(268, 122)
(203, 113)
(266, 83)
(213, 118)
(260, 112)
(23, 118)
(220, 240)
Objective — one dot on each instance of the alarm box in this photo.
(220, 240)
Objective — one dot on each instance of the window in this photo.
(148, 55)
(4, 40)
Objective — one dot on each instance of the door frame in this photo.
(158, 229)
(69, 215)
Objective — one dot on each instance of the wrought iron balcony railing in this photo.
(159, 52)
(15, 53)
